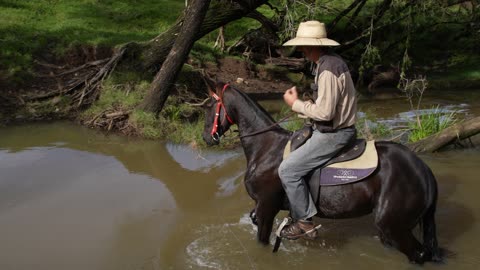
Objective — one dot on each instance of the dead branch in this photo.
(290, 63)
(220, 42)
(116, 114)
(198, 104)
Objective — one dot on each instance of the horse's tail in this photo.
(428, 222)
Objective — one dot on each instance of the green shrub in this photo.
(430, 123)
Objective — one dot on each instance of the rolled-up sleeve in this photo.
(328, 94)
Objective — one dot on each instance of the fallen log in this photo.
(297, 64)
(451, 135)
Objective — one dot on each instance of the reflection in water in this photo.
(71, 209)
(89, 201)
(193, 160)
(71, 198)
(230, 184)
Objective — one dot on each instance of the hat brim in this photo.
(299, 41)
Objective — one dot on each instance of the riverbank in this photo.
(115, 108)
(50, 51)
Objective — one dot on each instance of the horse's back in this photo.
(401, 177)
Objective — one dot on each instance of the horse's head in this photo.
(217, 119)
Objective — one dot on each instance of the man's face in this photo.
(308, 52)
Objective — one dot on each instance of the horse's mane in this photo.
(258, 109)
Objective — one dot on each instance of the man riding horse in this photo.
(333, 115)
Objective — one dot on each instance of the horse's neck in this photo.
(251, 119)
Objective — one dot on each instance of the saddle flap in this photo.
(297, 139)
(300, 136)
(354, 159)
(349, 152)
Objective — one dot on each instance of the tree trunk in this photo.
(448, 136)
(162, 84)
(220, 13)
(83, 85)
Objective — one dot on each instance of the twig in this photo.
(398, 136)
(96, 117)
(116, 114)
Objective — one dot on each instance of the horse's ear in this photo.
(208, 82)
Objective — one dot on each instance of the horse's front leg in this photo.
(266, 211)
(253, 216)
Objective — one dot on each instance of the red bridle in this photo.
(220, 105)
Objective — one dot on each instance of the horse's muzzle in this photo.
(210, 140)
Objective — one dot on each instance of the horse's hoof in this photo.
(420, 257)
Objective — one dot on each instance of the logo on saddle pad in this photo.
(345, 175)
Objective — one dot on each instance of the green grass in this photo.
(124, 91)
(430, 123)
(188, 132)
(117, 96)
(146, 124)
(29, 28)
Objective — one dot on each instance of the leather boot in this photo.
(300, 228)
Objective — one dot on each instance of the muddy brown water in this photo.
(73, 198)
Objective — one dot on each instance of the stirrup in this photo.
(287, 221)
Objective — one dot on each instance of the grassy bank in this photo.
(32, 29)
(35, 30)
(41, 31)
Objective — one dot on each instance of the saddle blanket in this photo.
(349, 171)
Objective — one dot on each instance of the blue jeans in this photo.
(316, 151)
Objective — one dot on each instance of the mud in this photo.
(250, 78)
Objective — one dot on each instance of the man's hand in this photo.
(290, 96)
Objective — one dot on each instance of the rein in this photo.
(220, 105)
(269, 127)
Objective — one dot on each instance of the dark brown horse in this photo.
(401, 193)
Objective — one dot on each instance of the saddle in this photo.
(353, 163)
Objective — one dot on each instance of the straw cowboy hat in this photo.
(311, 33)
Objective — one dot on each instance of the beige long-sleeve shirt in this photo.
(336, 99)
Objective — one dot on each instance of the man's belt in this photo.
(324, 126)
(327, 126)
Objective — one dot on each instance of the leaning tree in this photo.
(82, 84)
